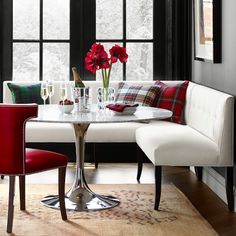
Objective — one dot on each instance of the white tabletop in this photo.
(51, 113)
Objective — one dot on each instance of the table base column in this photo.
(80, 197)
(83, 199)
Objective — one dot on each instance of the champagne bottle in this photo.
(78, 81)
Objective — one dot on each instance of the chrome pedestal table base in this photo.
(80, 197)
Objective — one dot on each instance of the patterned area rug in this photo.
(133, 217)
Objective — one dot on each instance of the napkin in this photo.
(119, 107)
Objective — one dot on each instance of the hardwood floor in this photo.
(211, 207)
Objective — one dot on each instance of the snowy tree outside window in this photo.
(26, 26)
(25, 61)
(109, 19)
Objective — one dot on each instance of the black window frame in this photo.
(40, 41)
(125, 40)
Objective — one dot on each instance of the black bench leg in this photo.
(140, 162)
(94, 156)
(198, 171)
(229, 187)
(158, 170)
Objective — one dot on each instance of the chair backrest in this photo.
(12, 136)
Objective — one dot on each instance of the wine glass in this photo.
(63, 92)
(44, 92)
(50, 91)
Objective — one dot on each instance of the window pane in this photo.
(139, 19)
(25, 61)
(25, 19)
(140, 62)
(117, 68)
(109, 19)
(56, 14)
(56, 61)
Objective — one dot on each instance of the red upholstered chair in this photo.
(16, 160)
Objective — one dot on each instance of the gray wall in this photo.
(221, 76)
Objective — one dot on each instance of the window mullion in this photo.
(159, 39)
(124, 36)
(41, 41)
(88, 32)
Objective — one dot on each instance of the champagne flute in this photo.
(50, 91)
(44, 92)
(63, 92)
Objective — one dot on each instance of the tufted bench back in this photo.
(211, 112)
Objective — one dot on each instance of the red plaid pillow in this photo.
(172, 97)
(144, 95)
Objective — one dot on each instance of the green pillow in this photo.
(25, 93)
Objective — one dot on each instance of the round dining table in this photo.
(81, 197)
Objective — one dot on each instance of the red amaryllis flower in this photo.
(97, 48)
(118, 52)
(97, 58)
(96, 61)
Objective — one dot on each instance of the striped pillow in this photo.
(144, 95)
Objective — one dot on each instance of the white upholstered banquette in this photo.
(205, 140)
(208, 135)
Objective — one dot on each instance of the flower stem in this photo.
(106, 76)
(103, 78)
(106, 79)
(109, 73)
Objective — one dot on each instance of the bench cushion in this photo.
(113, 132)
(40, 132)
(99, 133)
(171, 144)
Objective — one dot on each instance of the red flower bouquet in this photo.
(97, 58)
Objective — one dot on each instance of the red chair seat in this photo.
(37, 160)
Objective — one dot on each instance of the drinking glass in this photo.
(44, 92)
(63, 92)
(50, 91)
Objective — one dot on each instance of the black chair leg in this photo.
(22, 192)
(158, 170)
(11, 204)
(198, 171)
(2, 176)
(61, 191)
(229, 187)
(140, 162)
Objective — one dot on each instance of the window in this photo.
(129, 24)
(41, 40)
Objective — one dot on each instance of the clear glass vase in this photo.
(105, 96)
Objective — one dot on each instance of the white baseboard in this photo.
(215, 182)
